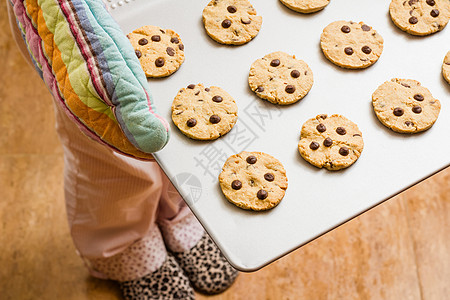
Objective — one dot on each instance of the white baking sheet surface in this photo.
(316, 200)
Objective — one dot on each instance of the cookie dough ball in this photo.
(231, 22)
(420, 17)
(204, 113)
(351, 45)
(305, 6)
(253, 180)
(280, 78)
(405, 106)
(160, 51)
(331, 142)
(446, 67)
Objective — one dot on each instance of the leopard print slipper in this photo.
(166, 283)
(206, 267)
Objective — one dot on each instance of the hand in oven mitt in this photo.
(92, 71)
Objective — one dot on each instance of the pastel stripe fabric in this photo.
(90, 68)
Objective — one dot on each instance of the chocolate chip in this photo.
(366, 49)
(251, 159)
(398, 111)
(417, 109)
(295, 74)
(365, 27)
(348, 50)
(323, 116)
(217, 99)
(262, 194)
(236, 185)
(143, 42)
(138, 53)
(159, 62)
(321, 128)
(232, 9)
(174, 40)
(314, 146)
(431, 2)
(170, 51)
(343, 151)
(418, 97)
(413, 20)
(181, 47)
(269, 177)
(226, 23)
(409, 123)
(341, 130)
(196, 94)
(214, 119)
(156, 38)
(290, 89)
(345, 29)
(260, 89)
(207, 89)
(275, 62)
(434, 13)
(328, 142)
(246, 22)
(405, 85)
(191, 122)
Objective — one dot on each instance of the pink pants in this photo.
(112, 200)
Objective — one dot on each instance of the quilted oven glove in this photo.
(92, 71)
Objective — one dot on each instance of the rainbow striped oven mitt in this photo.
(91, 69)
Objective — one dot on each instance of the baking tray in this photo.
(316, 200)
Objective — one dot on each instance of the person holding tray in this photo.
(126, 220)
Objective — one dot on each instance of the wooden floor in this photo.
(399, 250)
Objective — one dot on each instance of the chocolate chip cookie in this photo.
(446, 67)
(280, 78)
(351, 45)
(253, 180)
(160, 51)
(331, 142)
(305, 6)
(204, 113)
(405, 106)
(232, 22)
(420, 17)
